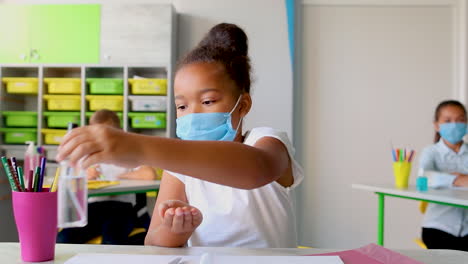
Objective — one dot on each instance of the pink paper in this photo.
(385, 255)
(371, 254)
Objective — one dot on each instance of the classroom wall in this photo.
(265, 24)
(370, 75)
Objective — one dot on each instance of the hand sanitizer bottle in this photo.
(421, 181)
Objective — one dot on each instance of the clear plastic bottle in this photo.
(72, 196)
(31, 159)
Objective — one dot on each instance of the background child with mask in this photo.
(446, 164)
(113, 217)
(220, 187)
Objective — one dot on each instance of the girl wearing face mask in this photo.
(221, 187)
(446, 164)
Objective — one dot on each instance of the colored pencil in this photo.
(8, 173)
(410, 159)
(41, 176)
(37, 172)
(13, 163)
(15, 175)
(21, 177)
(53, 187)
(30, 181)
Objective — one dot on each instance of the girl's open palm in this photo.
(179, 217)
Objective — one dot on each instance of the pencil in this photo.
(53, 187)
(410, 159)
(37, 172)
(30, 181)
(13, 163)
(14, 174)
(21, 177)
(6, 167)
(41, 176)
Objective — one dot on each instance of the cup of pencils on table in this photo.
(402, 159)
(34, 209)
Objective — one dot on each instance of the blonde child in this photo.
(446, 164)
(220, 187)
(113, 217)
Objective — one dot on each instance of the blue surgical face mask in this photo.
(207, 126)
(452, 132)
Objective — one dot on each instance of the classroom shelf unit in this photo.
(86, 67)
(38, 101)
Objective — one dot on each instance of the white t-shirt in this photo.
(438, 162)
(111, 173)
(258, 218)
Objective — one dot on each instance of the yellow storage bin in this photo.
(63, 85)
(15, 85)
(148, 86)
(53, 136)
(63, 102)
(110, 102)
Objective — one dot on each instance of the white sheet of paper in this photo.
(164, 259)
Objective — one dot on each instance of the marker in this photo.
(37, 172)
(21, 177)
(41, 176)
(30, 181)
(14, 167)
(8, 173)
(411, 156)
(13, 163)
(15, 176)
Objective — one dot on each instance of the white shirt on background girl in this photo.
(438, 162)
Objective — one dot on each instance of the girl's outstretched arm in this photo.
(227, 163)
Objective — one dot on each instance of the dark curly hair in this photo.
(226, 44)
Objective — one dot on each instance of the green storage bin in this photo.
(119, 114)
(20, 118)
(61, 119)
(105, 86)
(148, 120)
(18, 135)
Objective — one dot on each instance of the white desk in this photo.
(126, 187)
(450, 197)
(10, 252)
